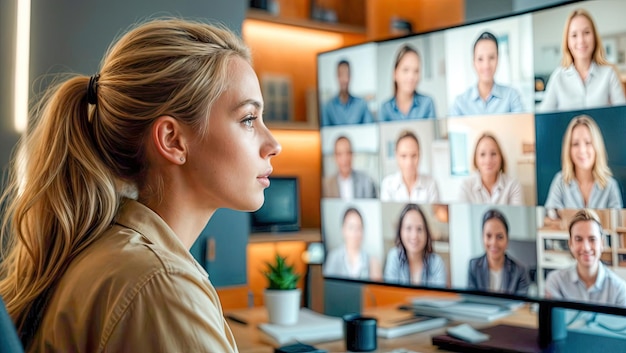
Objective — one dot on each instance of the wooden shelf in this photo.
(255, 14)
(309, 235)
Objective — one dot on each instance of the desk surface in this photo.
(248, 336)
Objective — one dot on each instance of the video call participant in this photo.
(486, 97)
(407, 185)
(345, 108)
(585, 78)
(350, 259)
(412, 260)
(589, 280)
(585, 179)
(347, 183)
(495, 271)
(490, 184)
(407, 103)
(115, 181)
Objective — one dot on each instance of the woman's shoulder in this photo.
(435, 258)
(558, 176)
(124, 258)
(393, 254)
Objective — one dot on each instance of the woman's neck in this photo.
(583, 176)
(489, 181)
(404, 97)
(415, 258)
(495, 264)
(582, 66)
(409, 181)
(484, 89)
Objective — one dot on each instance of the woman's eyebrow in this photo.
(257, 104)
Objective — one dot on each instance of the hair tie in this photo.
(92, 89)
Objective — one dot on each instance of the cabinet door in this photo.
(221, 247)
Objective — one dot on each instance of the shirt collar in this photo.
(141, 219)
(478, 183)
(496, 91)
(338, 101)
(571, 70)
(417, 186)
(573, 276)
(394, 103)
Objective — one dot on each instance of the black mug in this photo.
(360, 333)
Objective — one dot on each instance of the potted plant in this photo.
(282, 297)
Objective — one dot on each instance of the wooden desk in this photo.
(248, 336)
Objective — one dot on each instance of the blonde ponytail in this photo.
(71, 169)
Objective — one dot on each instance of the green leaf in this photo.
(280, 274)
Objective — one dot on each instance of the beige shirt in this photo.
(136, 289)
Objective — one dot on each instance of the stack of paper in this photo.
(311, 327)
(413, 324)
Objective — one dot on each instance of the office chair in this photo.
(10, 342)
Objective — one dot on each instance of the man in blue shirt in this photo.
(345, 108)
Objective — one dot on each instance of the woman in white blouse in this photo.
(408, 185)
(585, 78)
(490, 184)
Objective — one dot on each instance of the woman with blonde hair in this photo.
(585, 179)
(114, 182)
(490, 184)
(585, 78)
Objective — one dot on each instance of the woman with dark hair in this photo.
(408, 184)
(412, 260)
(406, 102)
(486, 97)
(351, 260)
(496, 271)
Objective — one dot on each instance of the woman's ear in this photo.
(169, 139)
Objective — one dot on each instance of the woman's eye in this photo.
(249, 121)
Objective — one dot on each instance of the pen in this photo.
(236, 319)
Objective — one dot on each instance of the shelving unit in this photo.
(310, 235)
(260, 15)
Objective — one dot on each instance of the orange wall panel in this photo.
(260, 253)
(233, 298)
(424, 15)
(291, 52)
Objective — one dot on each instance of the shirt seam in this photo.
(124, 308)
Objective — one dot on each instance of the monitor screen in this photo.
(281, 210)
(459, 158)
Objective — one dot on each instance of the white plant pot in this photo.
(282, 306)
